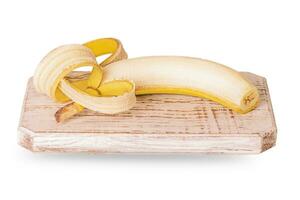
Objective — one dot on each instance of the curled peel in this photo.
(111, 86)
(51, 79)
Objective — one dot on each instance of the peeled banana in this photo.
(112, 85)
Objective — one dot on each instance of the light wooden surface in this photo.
(157, 124)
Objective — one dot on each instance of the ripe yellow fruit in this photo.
(112, 85)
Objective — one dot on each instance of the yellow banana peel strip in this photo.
(111, 86)
(52, 72)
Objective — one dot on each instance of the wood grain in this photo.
(157, 124)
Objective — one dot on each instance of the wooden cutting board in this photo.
(156, 124)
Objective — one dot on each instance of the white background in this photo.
(257, 36)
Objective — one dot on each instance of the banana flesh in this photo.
(188, 76)
(112, 85)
